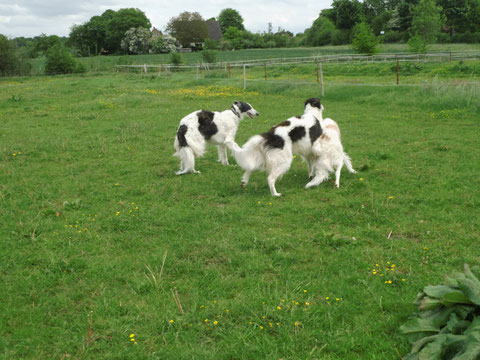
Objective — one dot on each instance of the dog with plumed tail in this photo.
(202, 127)
(328, 155)
(302, 135)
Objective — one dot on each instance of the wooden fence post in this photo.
(229, 71)
(321, 80)
(398, 70)
(318, 73)
(244, 76)
(145, 68)
(265, 68)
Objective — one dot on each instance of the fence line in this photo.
(402, 57)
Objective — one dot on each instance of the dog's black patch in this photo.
(206, 126)
(284, 123)
(315, 131)
(314, 102)
(243, 106)
(272, 140)
(182, 130)
(297, 133)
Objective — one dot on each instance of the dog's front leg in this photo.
(222, 154)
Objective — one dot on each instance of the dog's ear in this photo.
(236, 102)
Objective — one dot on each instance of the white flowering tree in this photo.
(165, 44)
(137, 41)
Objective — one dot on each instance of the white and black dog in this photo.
(273, 151)
(202, 126)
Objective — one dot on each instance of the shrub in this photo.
(364, 40)
(136, 41)
(61, 61)
(164, 45)
(448, 322)
(393, 37)
(210, 44)
(416, 44)
(176, 58)
(209, 56)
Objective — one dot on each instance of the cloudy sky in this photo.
(55, 17)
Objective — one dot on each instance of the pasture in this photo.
(101, 241)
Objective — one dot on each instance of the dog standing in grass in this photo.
(327, 152)
(202, 126)
(302, 135)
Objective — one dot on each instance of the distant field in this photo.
(98, 232)
(107, 63)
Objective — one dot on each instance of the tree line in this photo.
(361, 24)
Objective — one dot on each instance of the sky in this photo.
(31, 18)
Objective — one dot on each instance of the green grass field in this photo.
(98, 232)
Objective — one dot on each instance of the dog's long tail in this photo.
(348, 163)
(250, 156)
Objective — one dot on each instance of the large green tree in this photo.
(188, 28)
(123, 20)
(346, 13)
(426, 21)
(230, 17)
(105, 32)
(320, 33)
(455, 12)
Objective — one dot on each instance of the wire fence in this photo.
(352, 69)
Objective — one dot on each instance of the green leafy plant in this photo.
(209, 56)
(448, 324)
(176, 58)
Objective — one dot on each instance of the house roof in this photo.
(214, 31)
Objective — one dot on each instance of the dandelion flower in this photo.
(279, 308)
(132, 339)
(206, 320)
(337, 299)
(327, 298)
(296, 323)
(132, 335)
(361, 179)
(304, 291)
(261, 327)
(172, 321)
(307, 303)
(215, 322)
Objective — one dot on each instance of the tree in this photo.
(61, 61)
(364, 40)
(137, 41)
(120, 22)
(347, 13)
(8, 57)
(188, 28)
(234, 36)
(105, 32)
(455, 12)
(320, 33)
(230, 17)
(426, 21)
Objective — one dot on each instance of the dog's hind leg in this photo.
(337, 175)
(222, 154)
(187, 161)
(278, 167)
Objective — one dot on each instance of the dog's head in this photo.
(313, 103)
(243, 108)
